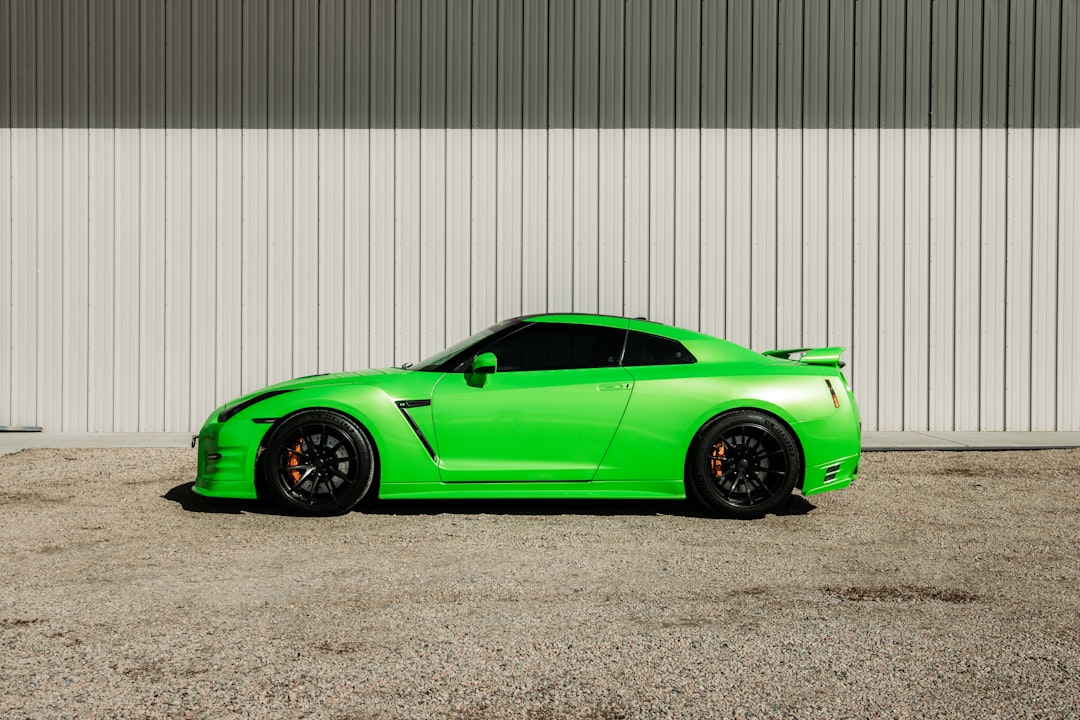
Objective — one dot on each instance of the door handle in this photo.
(615, 386)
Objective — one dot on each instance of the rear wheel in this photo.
(318, 462)
(744, 463)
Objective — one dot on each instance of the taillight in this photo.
(835, 400)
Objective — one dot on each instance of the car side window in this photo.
(558, 346)
(645, 349)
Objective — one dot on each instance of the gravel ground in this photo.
(941, 585)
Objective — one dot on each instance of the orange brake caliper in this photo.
(717, 460)
(294, 460)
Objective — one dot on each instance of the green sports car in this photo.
(547, 406)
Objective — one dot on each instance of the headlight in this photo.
(240, 407)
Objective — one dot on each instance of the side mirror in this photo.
(482, 365)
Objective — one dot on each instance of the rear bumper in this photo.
(832, 475)
(832, 450)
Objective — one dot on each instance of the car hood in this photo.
(353, 377)
(393, 380)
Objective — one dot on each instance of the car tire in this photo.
(744, 463)
(318, 462)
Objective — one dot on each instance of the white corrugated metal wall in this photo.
(151, 270)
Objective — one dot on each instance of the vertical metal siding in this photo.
(302, 187)
(356, 192)
(48, 311)
(915, 379)
(8, 349)
(891, 226)
(1019, 219)
(611, 162)
(866, 197)
(1045, 199)
(739, 169)
(1068, 382)
(713, 188)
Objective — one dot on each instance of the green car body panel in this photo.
(617, 431)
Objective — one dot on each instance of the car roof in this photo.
(578, 319)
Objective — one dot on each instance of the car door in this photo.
(547, 414)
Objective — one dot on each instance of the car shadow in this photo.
(186, 497)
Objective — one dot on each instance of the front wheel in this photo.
(744, 463)
(318, 462)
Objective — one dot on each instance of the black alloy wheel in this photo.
(318, 462)
(744, 463)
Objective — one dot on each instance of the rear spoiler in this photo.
(828, 356)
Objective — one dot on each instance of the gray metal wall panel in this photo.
(791, 65)
(763, 84)
(49, 81)
(152, 65)
(23, 53)
(407, 57)
(893, 45)
(586, 65)
(1070, 65)
(5, 65)
(714, 63)
(305, 69)
(867, 63)
(227, 78)
(815, 66)
(637, 63)
(381, 109)
(433, 70)
(995, 63)
(292, 28)
(687, 63)
(357, 77)
(332, 64)
(560, 64)
(204, 62)
(255, 68)
(485, 60)
(128, 62)
(612, 74)
(1021, 64)
(535, 62)
(917, 64)
(969, 69)
(1048, 59)
(842, 65)
(280, 64)
(458, 63)
(943, 66)
(740, 63)
(510, 70)
(177, 67)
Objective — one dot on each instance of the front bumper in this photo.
(227, 454)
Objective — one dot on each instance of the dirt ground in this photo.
(940, 585)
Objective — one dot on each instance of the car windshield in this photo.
(436, 361)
